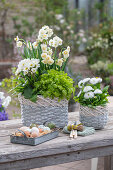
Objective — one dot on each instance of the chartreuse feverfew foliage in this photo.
(55, 84)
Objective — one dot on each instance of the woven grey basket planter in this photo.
(96, 118)
(45, 109)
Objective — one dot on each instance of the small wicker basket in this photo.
(44, 110)
(96, 118)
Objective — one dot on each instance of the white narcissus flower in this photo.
(44, 48)
(44, 61)
(59, 62)
(16, 39)
(65, 54)
(58, 40)
(87, 88)
(6, 101)
(51, 42)
(98, 91)
(68, 48)
(35, 45)
(44, 55)
(50, 32)
(51, 61)
(19, 43)
(50, 52)
(89, 95)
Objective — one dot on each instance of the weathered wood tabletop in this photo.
(57, 151)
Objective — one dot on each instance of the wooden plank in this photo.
(108, 162)
(55, 159)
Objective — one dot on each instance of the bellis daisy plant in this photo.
(91, 94)
(41, 56)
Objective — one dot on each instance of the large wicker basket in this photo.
(96, 118)
(44, 110)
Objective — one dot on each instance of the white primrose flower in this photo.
(44, 48)
(95, 80)
(89, 95)
(87, 88)
(6, 101)
(98, 91)
(26, 65)
(16, 39)
(80, 83)
(19, 43)
(85, 80)
(59, 62)
(35, 45)
(34, 70)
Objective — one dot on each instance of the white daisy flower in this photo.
(89, 95)
(98, 91)
(87, 88)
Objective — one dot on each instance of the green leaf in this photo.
(28, 92)
(105, 89)
(34, 98)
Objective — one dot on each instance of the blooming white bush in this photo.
(41, 56)
(91, 94)
(4, 101)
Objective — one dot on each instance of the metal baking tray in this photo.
(33, 141)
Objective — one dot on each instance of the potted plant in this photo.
(93, 100)
(4, 102)
(43, 86)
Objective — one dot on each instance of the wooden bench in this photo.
(57, 151)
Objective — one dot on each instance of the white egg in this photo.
(46, 128)
(35, 129)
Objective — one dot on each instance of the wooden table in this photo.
(57, 151)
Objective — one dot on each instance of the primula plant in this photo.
(39, 57)
(4, 102)
(91, 94)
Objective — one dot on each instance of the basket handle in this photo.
(22, 132)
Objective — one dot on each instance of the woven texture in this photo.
(96, 118)
(44, 110)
